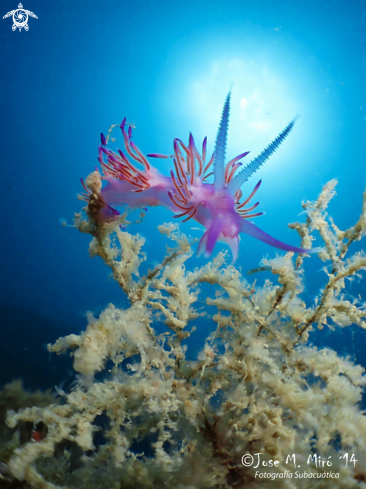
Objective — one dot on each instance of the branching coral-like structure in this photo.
(256, 387)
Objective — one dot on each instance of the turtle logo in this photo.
(20, 18)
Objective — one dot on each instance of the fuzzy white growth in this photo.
(94, 182)
(255, 386)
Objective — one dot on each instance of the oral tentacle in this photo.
(233, 244)
(202, 244)
(234, 247)
(213, 234)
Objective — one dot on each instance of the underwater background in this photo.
(167, 67)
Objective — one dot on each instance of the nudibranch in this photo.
(219, 206)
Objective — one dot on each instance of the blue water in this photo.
(167, 67)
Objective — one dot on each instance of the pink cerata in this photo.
(219, 206)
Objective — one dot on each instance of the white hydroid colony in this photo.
(256, 387)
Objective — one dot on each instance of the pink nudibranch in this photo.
(218, 206)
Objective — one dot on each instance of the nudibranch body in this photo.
(218, 206)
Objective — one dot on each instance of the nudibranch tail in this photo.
(220, 147)
(254, 231)
(255, 164)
